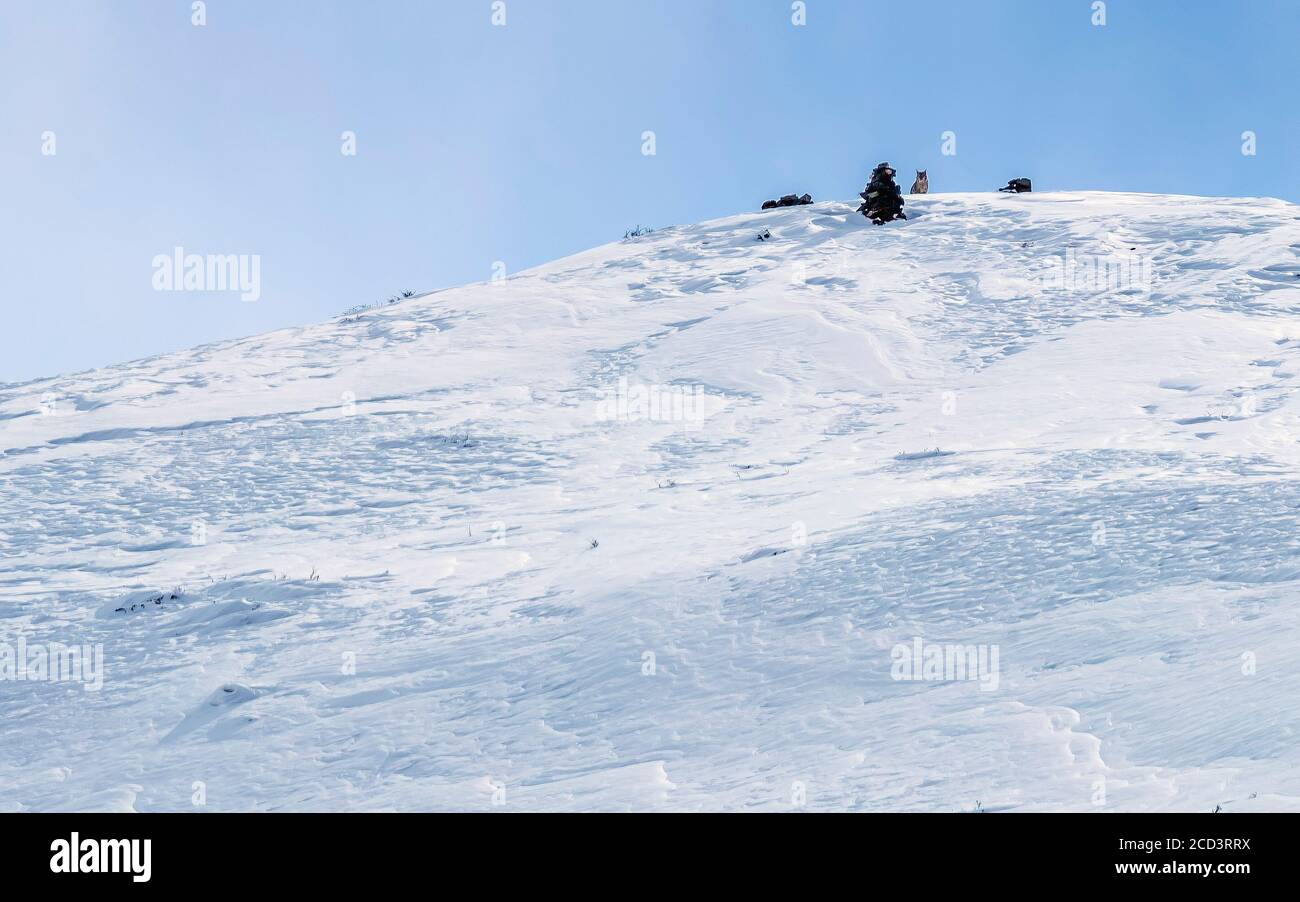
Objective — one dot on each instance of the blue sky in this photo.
(479, 143)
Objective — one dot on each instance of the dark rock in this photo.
(788, 200)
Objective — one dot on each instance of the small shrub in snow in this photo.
(353, 314)
(882, 200)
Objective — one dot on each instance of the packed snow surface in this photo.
(449, 554)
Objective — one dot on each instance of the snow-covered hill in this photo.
(449, 554)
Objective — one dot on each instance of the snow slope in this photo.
(426, 558)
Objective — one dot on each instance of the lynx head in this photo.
(920, 174)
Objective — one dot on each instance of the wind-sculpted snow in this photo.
(675, 524)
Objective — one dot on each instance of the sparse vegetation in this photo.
(923, 455)
(353, 314)
(152, 601)
(638, 232)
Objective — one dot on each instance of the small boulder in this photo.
(788, 200)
